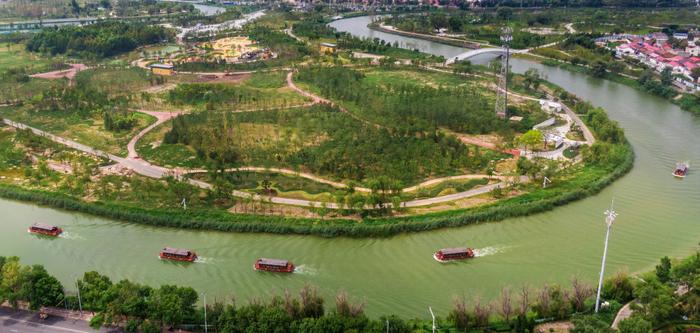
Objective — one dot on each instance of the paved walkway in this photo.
(623, 314)
(154, 171)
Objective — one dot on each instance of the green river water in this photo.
(658, 216)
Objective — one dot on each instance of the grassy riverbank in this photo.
(588, 181)
(686, 102)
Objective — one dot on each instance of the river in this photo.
(398, 275)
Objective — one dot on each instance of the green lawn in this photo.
(15, 56)
(86, 130)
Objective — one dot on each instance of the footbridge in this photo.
(476, 52)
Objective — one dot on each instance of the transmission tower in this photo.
(502, 93)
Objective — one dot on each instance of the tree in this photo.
(656, 299)
(531, 138)
(581, 292)
(635, 324)
(41, 289)
(92, 287)
(75, 7)
(663, 270)
(170, 305)
(695, 73)
(667, 76)
(459, 315)
(11, 282)
(532, 78)
(590, 324)
(506, 304)
(618, 288)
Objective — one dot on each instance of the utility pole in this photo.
(432, 315)
(205, 312)
(610, 216)
(502, 89)
(80, 303)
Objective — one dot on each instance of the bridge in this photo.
(488, 50)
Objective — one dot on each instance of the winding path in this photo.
(133, 162)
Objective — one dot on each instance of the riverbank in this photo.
(585, 182)
(437, 39)
(683, 102)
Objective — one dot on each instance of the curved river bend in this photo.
(658, 216)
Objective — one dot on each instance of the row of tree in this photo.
(102, 39)
(662, 298)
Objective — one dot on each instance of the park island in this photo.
(234, 133)
(275, 122)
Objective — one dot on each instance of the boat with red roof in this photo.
(681, 170)
(455, 253)
(273, 265)
(45, 229)
(171, 253)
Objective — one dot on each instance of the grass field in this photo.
(89, 131)
(15, 56)
(433, 79)
(115, 81)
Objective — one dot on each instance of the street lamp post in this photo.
(610, 216)
(432, 315)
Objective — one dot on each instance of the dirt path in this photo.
(320, 100)
(64, 73)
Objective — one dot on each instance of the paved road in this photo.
(12, 321)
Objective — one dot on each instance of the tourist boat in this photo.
(274, 265)
(177, 254)
(456, 253)
(681, 170)
(45, 229)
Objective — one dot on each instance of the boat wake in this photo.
(70, 235)
(488, 251)
(204, 260)
(305, 270)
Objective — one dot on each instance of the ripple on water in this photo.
(71, 235)
(306, 270)
(489, 251)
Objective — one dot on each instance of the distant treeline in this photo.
(103, 39)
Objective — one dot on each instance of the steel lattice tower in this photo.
(502, 93)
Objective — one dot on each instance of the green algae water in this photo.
(658, 216)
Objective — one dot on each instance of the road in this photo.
(12, 321)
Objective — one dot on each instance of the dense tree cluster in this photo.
(32, 284)
(407, 108)
(332, 143)
(103, 39)
(284, 45)
(314, 27)
(465, 24)
(212, 95)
